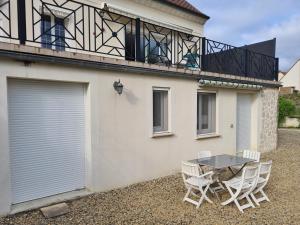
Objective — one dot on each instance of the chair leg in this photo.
(258, 200)
(187, 194)
(250, 202)
(203, 192)
(254, 199)
(200, 202)
(238, 205)
(202, 197)
(264, 194)
(232, 198)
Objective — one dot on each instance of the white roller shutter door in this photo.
(47, 138)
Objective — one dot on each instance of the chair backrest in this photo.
(204, 154)
(265, 170)
(250, 176)
(251, 155)
(190, 169)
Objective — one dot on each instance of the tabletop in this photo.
(222, 161)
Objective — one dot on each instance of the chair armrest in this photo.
(208, 174)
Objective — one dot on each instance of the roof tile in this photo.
(187, 6)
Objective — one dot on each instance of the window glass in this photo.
(206, 113)
(59, 34)
(46, 31)
(160, 110)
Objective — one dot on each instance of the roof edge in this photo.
(204, 16)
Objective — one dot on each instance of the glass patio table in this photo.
(223, 161)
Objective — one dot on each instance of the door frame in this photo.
(254, 132)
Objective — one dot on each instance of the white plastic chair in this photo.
(264, 175)
(240, 187)
(250, 155)
(217, 184)
(194, 180)
(204, 154)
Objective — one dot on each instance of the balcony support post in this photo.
(276, 69)
(139, 56)
(22, 21)
(203, 67)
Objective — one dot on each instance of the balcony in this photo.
(78, 27)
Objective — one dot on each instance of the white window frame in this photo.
(206, 132)
(168, 129)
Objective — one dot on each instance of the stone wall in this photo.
(269, 104)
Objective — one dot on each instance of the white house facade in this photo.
(292, 77)
(99, 96)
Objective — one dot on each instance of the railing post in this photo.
(138, 55)
(246, 70)
(22, 21)
(203, 54)
(276, 69)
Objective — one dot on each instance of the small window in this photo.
(59, 34)
(46, 31)
(206, 113)
(52, 34)
(160, 110)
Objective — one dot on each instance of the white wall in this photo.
(120, 146)
(161, 13)
(292, 77)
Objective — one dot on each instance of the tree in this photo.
(286, 108)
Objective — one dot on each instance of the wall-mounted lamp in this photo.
(118, 86)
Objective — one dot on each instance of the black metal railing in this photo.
(5, 18)
(112, 32)
(75, 26)
(157, 44)
(188, 50)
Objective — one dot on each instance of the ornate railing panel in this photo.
(58, 24)
(188, 50)
(157, 44)
(112, 33)
(5, 19)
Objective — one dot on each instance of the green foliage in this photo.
(286, 108)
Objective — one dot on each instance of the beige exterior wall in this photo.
(156, 12)
(120, 147)
(292, 77)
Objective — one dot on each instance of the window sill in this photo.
(205, 136)
(162, 134)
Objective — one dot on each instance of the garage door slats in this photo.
(47, 138)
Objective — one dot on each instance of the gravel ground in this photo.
(160, 201)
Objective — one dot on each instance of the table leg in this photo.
(231, 170)
(235, 174)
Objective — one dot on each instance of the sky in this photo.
(241, 22)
